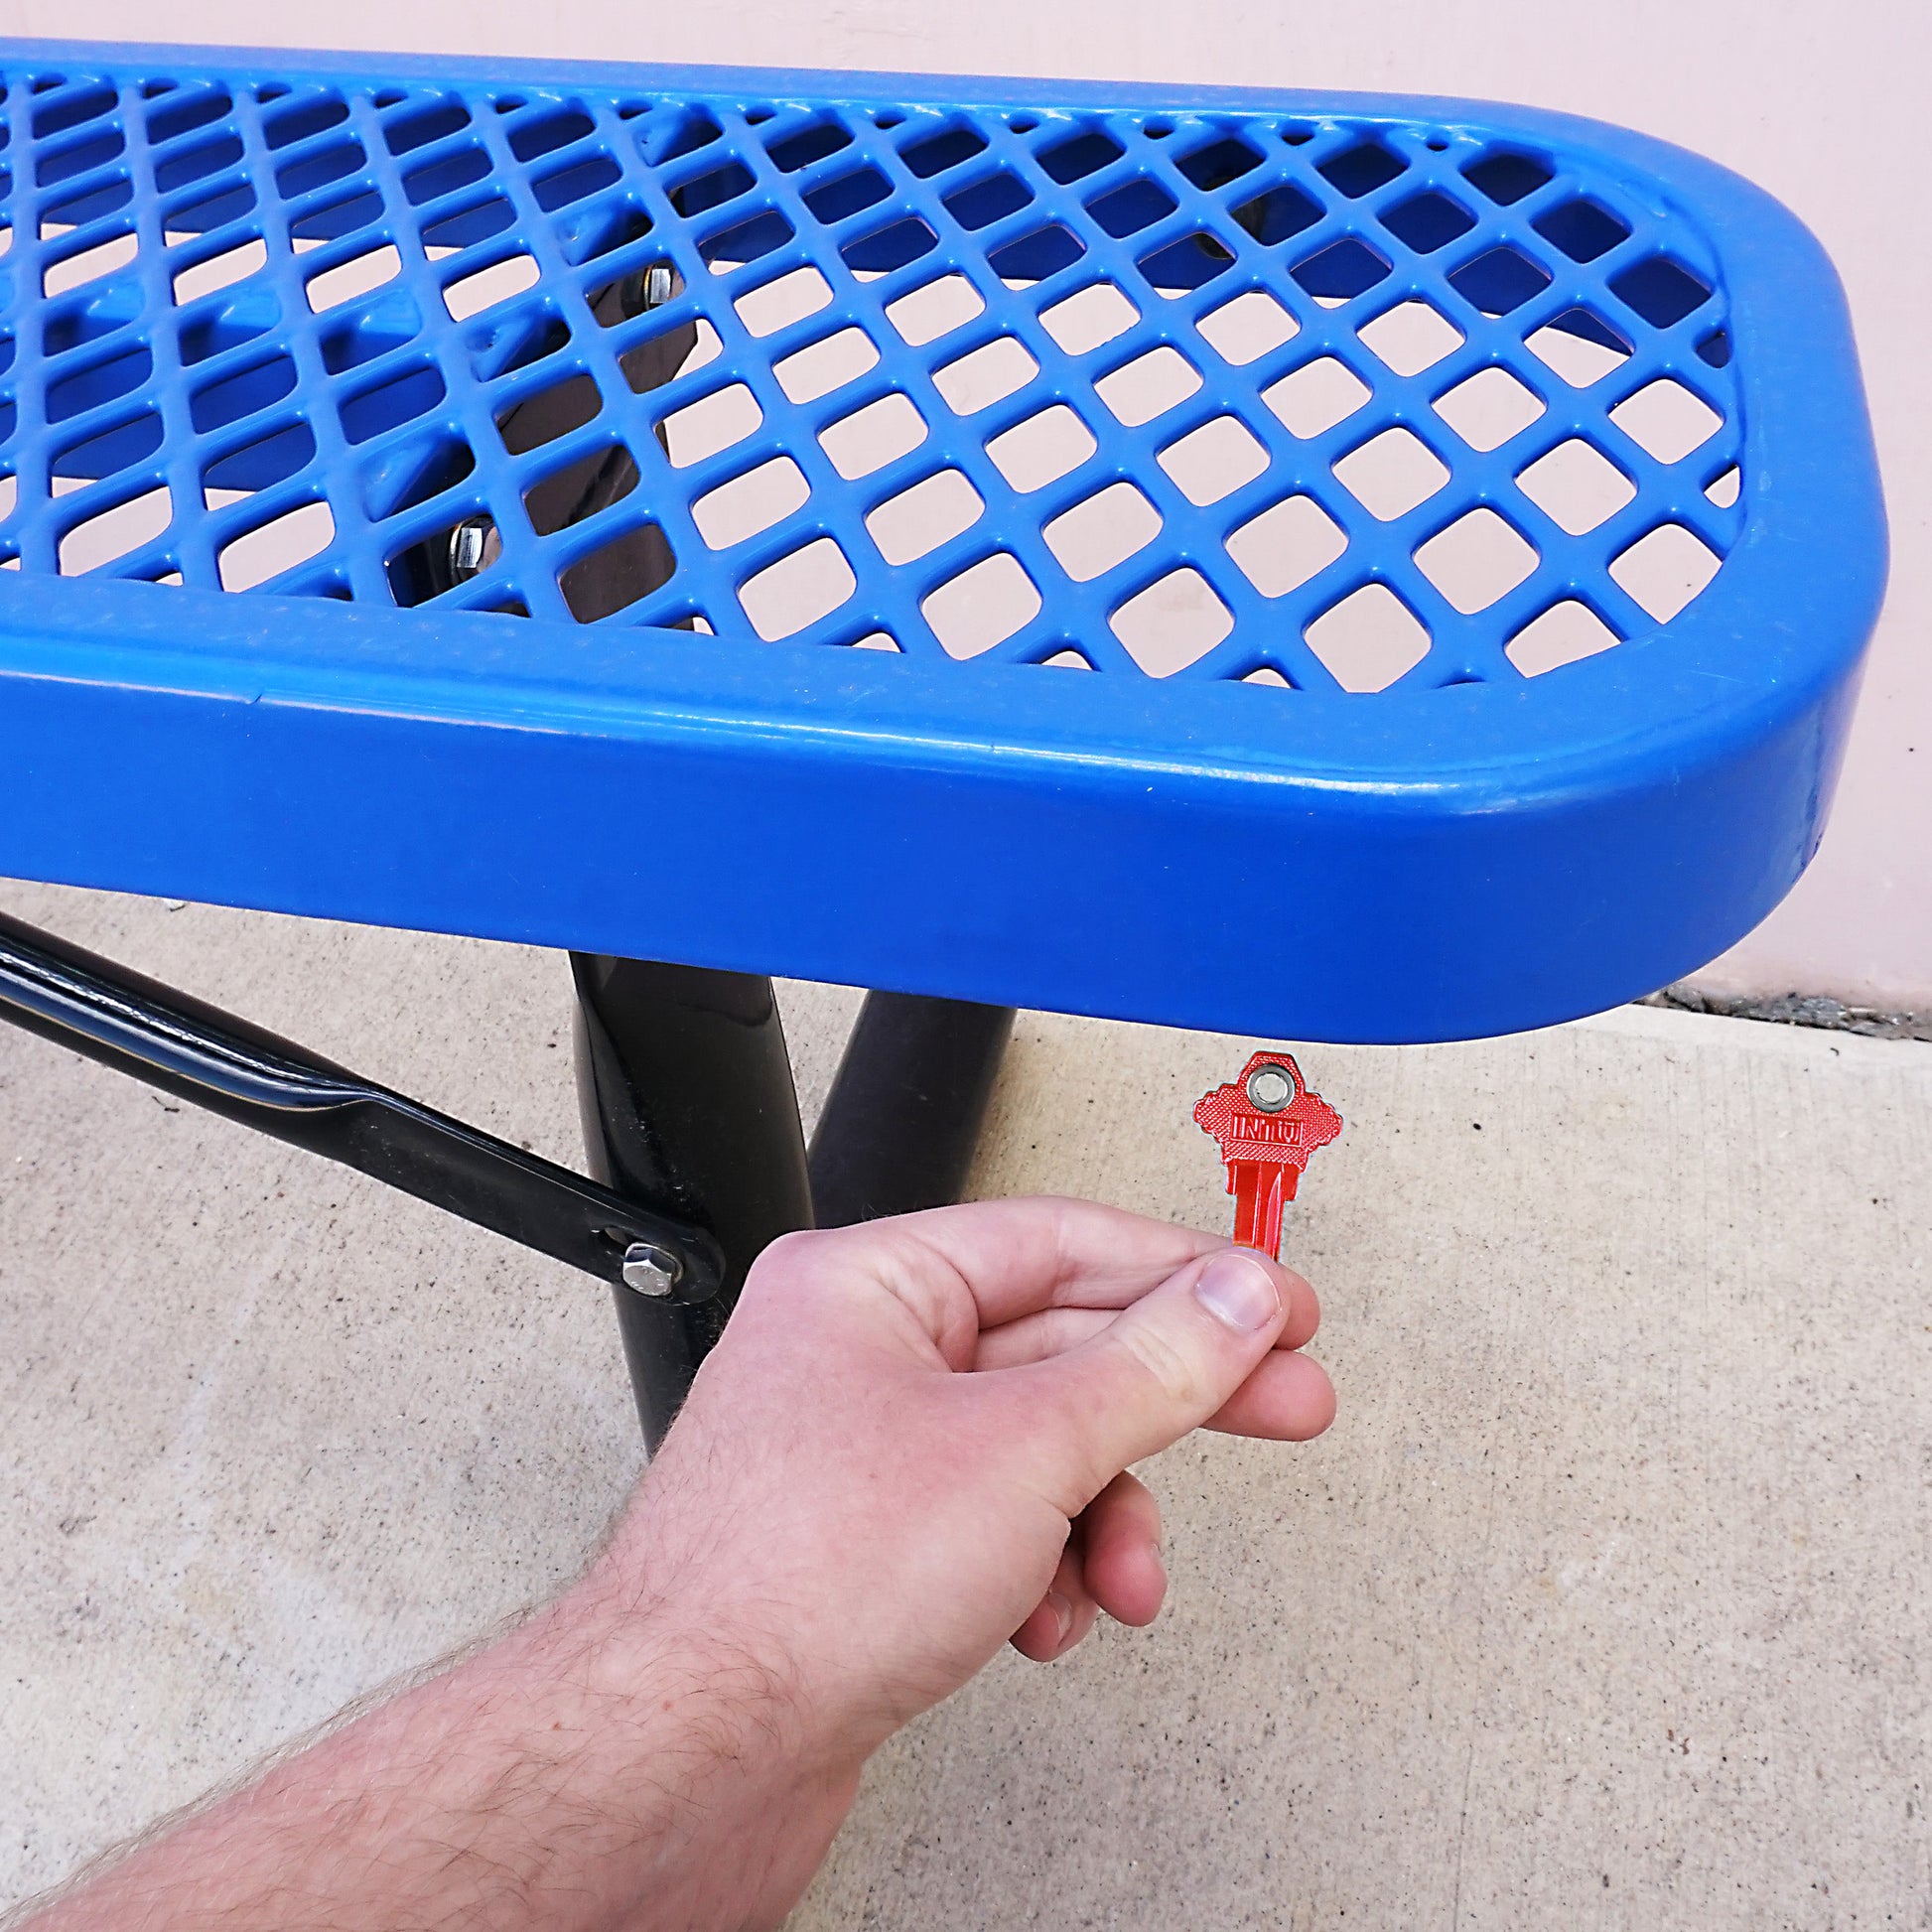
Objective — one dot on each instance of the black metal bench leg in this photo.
(903, 1116)
(685, 1088)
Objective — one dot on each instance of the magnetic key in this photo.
(1267, 1124)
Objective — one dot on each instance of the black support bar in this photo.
(236, 1070)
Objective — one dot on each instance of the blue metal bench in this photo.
(1331, 567)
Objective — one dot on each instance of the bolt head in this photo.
(474, 544)
(650, 1270)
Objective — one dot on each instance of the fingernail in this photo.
(1062, 1613)
(1239, 1291)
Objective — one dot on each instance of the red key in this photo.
(1267, 1124)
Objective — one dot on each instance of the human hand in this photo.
(913, 1445)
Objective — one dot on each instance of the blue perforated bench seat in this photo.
(1325, 567)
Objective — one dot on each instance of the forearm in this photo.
(578, 1776)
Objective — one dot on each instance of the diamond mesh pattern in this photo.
(1328, 404)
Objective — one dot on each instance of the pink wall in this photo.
(1823, 106)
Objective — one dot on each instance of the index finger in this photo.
(1014, 1258)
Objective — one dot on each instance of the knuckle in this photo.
(1172, 1369)
(789, 1257)
(788, 1250)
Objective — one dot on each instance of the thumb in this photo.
(1158, 1369)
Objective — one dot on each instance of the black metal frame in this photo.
(689, 1114)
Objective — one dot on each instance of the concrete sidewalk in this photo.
(1600, 1607)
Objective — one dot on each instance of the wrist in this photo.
(603, 1767)
(726, 1793)
(745, 1648)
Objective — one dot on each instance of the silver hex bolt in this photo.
(650, 1270)
(474, 544)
